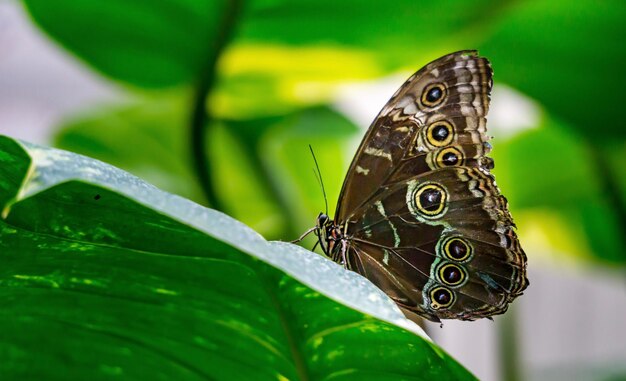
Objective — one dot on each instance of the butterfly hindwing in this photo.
(461, 241)
(419, 212)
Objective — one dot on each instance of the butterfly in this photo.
(419, 213)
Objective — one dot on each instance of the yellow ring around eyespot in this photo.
(442, 268)
(427, 103)
(446, 249)
(459, 155)
(435, 305)
(431, 139)
(442, 204)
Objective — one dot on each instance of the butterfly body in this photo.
(419, 213)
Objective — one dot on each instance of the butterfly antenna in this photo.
(319, 177)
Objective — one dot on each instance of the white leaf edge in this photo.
(50, 167)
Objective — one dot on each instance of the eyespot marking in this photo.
(457, 249)
(430, 200)
(441, 297)
(451, 274)
(440, 133)
(433, 95)
(450, 156)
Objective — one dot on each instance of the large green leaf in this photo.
(163, 42)
(551, 167)
(106, 276)
(396, 35)
(570, 57)
(145, 43)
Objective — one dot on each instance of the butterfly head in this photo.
(328, 234)
(323, 220)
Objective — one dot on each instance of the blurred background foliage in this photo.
(257, 80)
(221, 99)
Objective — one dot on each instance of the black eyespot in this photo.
(96, 197)
(457, 249)
(451, 274)
(430, 199)
(434, 94)
(441, 297)
(449, 158)
(440, 132)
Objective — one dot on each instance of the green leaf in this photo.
(551, 167)
(257, 164)
(162, 43)
(104, 275)
(570, 57)
(285, 149)
(533, 155)
(258, 167)
(145, 43)
(159, 153)
(394, 34)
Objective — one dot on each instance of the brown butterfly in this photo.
(419, 213)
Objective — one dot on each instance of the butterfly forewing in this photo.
(419, 213)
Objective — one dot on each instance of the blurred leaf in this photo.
(285, 150)
(552, 168)
(242, 184)
(570, 57)
(146, 139)
(398, 35)
(526, 166)
(164, 43)
(614, 154)
(145, 43)
(312, 21)
(104, 275)
(248, 157)
(600, 221)
(273, 80)
(276, 151)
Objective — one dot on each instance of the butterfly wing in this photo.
(423, 216)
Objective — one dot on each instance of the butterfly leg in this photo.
(344, 250)
(304, 235)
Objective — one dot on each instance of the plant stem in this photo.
(509, 347)
(200, 116)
